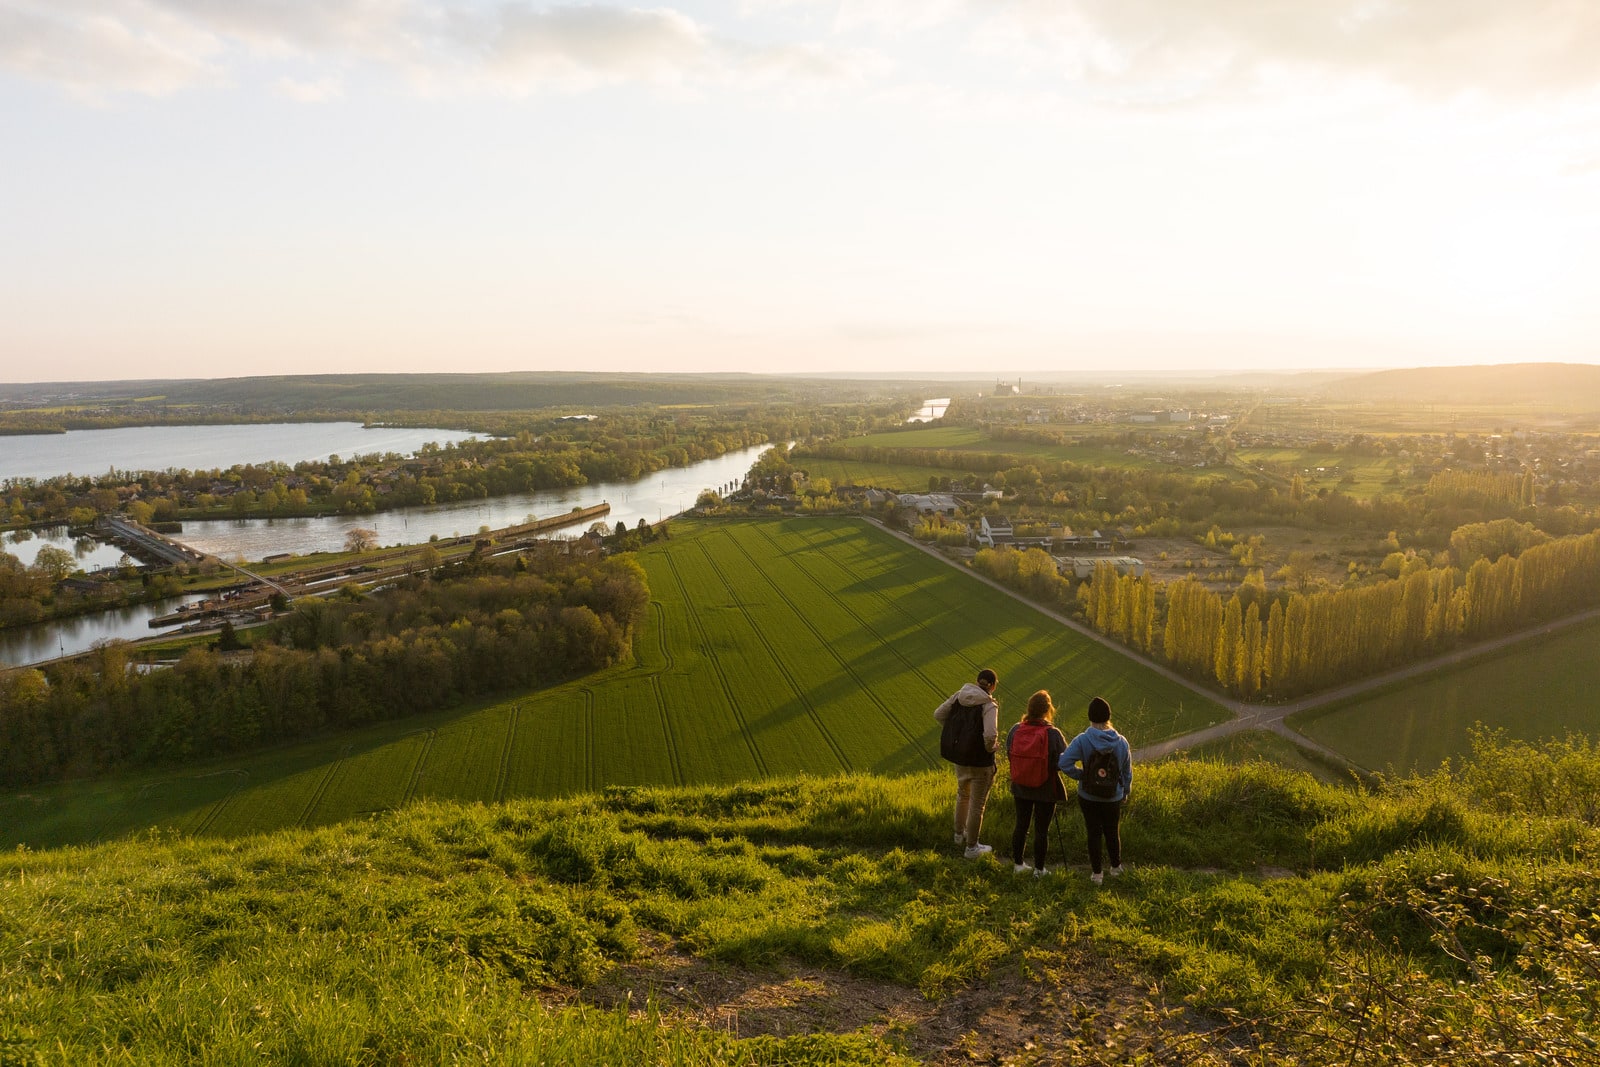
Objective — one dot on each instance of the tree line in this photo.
(429, 644)
(1253, 643)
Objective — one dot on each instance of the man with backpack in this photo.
(1104, 778)
(969, 730)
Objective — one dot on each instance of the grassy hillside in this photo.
(1266, 918)
(773, 648)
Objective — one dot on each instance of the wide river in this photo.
(158, 448)
(652, 498)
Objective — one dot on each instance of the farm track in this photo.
(794, 686)
(416, 771)
(722, 679)
(506, 748)
(589, 775)
(674, 749)
(825, 643)
(661, 638)
(239, 778)
(322, 787)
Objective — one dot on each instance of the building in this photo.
(927, 504)
(1083, 566)
(994, 530)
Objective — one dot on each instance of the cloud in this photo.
(1434, 45)
(1508, 46)
(159, 46)
(108, 46)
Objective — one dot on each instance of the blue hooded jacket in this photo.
(1099, 739)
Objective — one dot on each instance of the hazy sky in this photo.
(223, 187)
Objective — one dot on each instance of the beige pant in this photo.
(972, 794)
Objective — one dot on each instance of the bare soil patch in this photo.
(1069, 1006)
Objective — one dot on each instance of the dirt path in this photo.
(1262, 716)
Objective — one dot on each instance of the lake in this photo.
(157, 448)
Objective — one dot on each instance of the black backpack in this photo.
(1102, 774)
(961, 740)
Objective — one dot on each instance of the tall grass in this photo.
(434, 934)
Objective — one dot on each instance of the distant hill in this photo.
(456, 392)
(1565, 387)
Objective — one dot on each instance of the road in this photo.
(1262, 716)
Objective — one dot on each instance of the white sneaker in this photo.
(1021, 868)
(1041, 872)
(1116, 872)
(980, 849)
(1096, 878)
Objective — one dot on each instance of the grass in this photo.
(801, 646)
(1539, 688)
(900, 477)
(1370, 475)
(972, 439)
(456, 933)
(1247, 746)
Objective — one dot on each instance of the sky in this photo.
(206, 188)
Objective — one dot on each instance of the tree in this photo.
(53, 562)
(360, 539)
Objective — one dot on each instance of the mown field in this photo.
(774, 647)
(972, 439)
(1541, 688)
(904, 477)
(1369, 475)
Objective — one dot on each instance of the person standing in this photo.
(1101, 762)
(1034, 747)
(969, 731)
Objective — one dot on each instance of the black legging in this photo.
(1100, 820)
(1041, 811)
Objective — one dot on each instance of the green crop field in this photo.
(904, 478)
(801, 646)
(971, 439)
(1543, 687)
(1371, 474)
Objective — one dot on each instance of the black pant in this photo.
(1041, 811)
(1100, 819)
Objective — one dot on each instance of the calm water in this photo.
(89, 554)
(157, 448)
(933, 409)
(652, 498)
(32, 644)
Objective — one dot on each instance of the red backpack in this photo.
(1030, 755)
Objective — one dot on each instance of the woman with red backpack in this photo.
(1034, 746)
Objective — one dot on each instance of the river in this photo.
(933, 409)
(652, 498)
(158, 448)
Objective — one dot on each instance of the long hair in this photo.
(1039, 708)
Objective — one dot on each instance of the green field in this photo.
(972, 439)
(1264, 746)
(1371, 474)
(1543, 687)
(801, 646)
(903, 477)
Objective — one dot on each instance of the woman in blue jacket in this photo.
(1100, 761)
